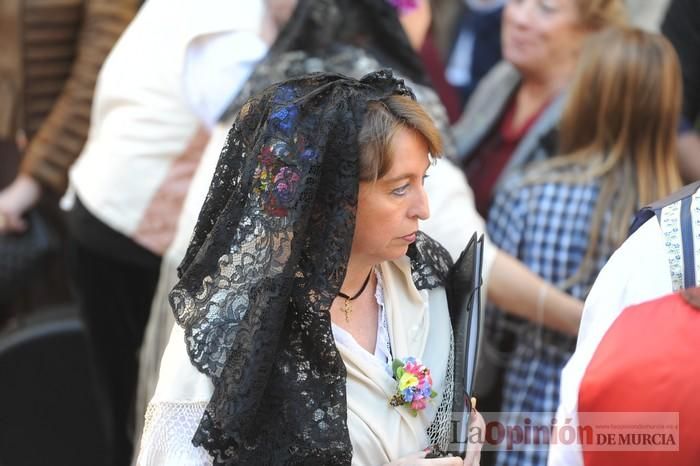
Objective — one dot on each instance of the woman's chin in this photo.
(520, 60)
(399, 253)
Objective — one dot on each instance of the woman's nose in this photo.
(421, 205)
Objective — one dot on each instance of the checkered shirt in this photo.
(546, 226)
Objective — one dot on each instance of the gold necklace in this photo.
(347, 307)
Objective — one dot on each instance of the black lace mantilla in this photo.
(430, 262)
(268, 256)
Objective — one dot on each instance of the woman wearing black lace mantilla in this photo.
(313, 321)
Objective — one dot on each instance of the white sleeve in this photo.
(168, 432)
(216, 67)
(175, 411)
(637, 272)
(453, 216)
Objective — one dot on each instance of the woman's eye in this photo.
(400, 191)
(424, 178)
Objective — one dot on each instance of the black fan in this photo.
(464, 300)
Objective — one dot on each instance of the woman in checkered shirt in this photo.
(564, 217)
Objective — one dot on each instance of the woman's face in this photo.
(537, 34)
(388, 210)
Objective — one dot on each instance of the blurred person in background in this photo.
(165, 83)
(647, 15)
(52, 52)
(647, 273)
(567, 214)
(464, 43)
(467, 38)
(682, 27)
(511, 118)
(157, 331)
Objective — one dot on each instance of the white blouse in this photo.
(382, 355)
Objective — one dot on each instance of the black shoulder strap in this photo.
(654, 209)
(684, 197)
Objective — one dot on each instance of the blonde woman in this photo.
(511, 117)
(569, 214)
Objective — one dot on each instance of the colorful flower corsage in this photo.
(414, 384)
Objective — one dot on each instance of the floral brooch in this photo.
(414, 384)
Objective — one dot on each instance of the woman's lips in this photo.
(409, 238)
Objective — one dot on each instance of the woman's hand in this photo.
(15, 200)
(473, 456)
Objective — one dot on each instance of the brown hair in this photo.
(619, 125)
(599, 14)
(382, 120)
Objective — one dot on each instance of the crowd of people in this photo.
(258, 207)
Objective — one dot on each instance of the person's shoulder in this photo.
(637, 271)
(565, 179)
(502, 73)
(556, 168)
(491, 94)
